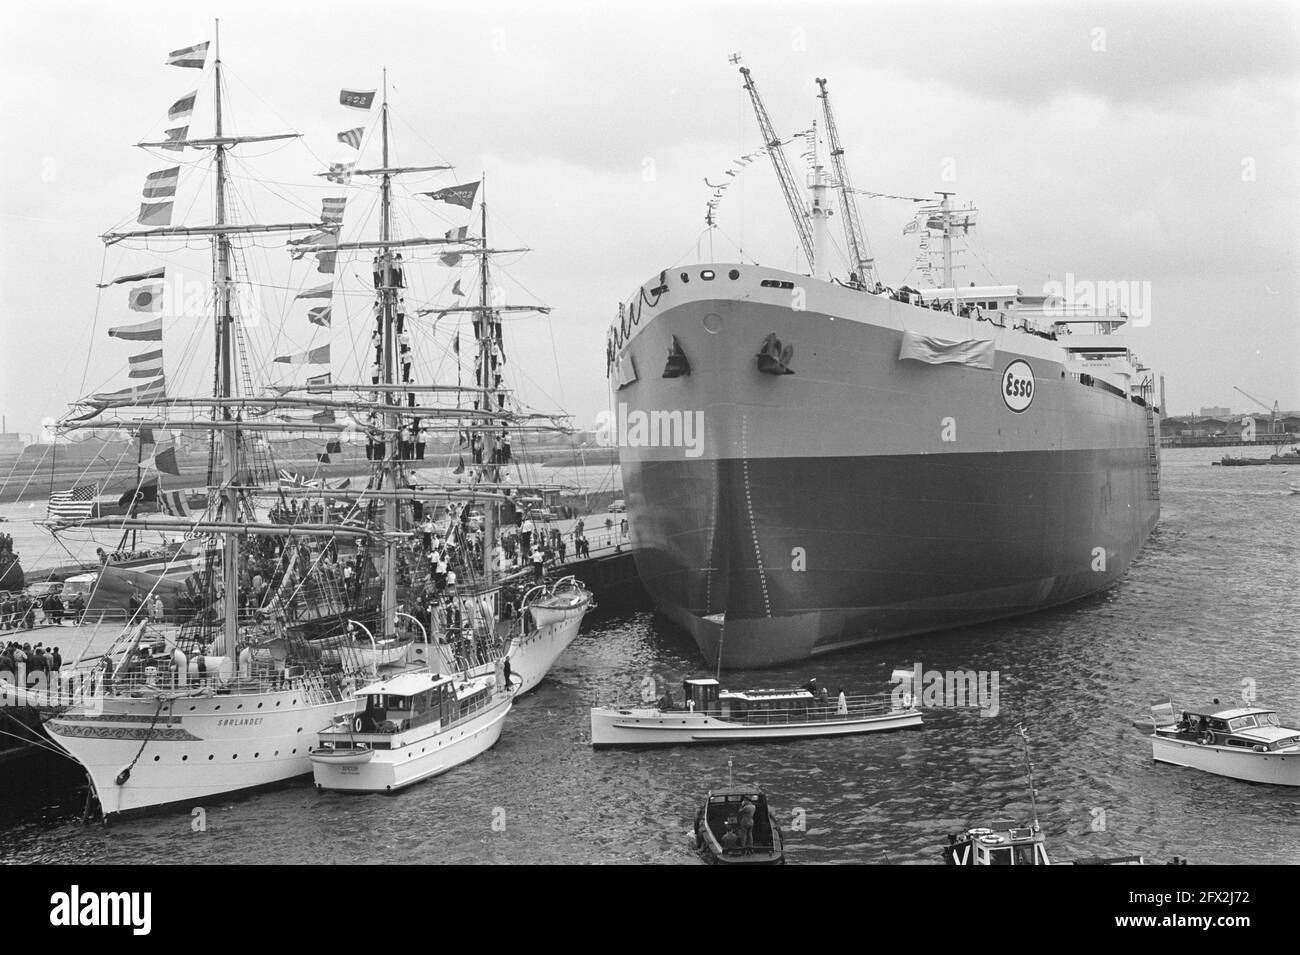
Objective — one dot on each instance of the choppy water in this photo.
(1212, 601)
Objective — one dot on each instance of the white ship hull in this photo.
(652, 727)
(1277, 768)
(194, 748)
(388, 770)
(531, 657)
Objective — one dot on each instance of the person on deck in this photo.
(746, 819)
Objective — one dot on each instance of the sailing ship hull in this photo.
(389, 770)
(532, 656)
(199, 747)
(863, 497)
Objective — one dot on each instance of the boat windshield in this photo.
(1268, 719)
(1025, 854)
(1242, 723)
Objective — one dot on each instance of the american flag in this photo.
(74, 505)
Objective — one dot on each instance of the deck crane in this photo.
(772, 142)
(1277, 414)
(864, 263)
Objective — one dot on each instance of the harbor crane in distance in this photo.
(1277, 414)
(798, 212)
(864, 264)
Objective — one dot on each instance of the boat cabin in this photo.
(767, 706)
(1021, 845)
(403, 703)
(701, 695)
(1252, 728)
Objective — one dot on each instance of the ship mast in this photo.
(224, 329)
(486, 322)
(946, 208)
(388, 606)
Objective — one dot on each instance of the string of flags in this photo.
(159, 192)
(738, 165)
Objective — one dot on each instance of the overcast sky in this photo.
(1139, 142)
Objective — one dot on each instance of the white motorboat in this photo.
(711, 714)
(413, 727)
(1242, 742)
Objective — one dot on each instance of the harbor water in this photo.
(1210, 609)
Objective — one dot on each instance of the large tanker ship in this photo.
(813, 462)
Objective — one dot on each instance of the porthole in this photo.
(217, 707)
(210, 757)
(733, 274)
(156, 758)
(295, 752)
(191, 709)
(259, 706)
(712, 323)
(255, 755)
(184, 758)
(707, 275)
(235, 756)
(686, 277)
(240, 706)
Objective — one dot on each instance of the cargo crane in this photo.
(798, 212)
(1277, 414)
(864, 263)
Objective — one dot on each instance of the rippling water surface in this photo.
(1212, 601)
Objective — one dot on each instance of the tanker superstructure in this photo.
(813, 462)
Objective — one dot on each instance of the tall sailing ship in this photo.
(814, 461)
(234, 696)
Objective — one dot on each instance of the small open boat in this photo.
(735, 827)
(710, 714)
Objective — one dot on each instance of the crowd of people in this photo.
(37, 659)
(19, 611)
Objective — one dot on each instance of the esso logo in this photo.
(1018, 386)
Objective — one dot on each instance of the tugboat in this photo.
(735, 827)
(1241, 742)
(1008, 844)
(710, 714)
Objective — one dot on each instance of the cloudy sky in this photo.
(1155, 144)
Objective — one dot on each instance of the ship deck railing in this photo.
(318, 686)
